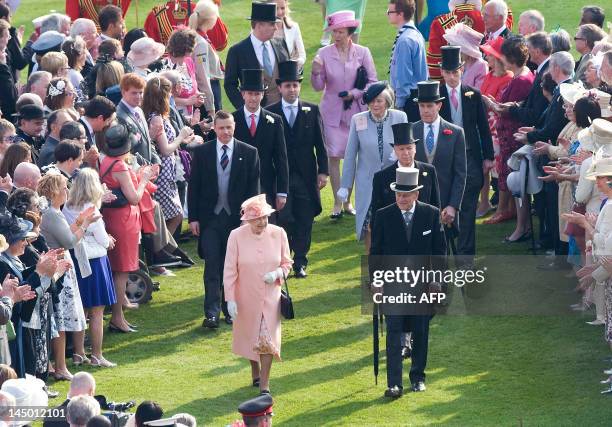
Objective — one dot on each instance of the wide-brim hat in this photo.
(402, 134)
(571, 92)
(253, 80)
(145, 51)
(406, 180)
(255, 207)
(601, 133)
(466, 38)
(451, 58)
(603, 99)
(341, 19)
(28, 392)
(428, 91)
(263, 12)
(373, 91)
(31, 112)
(14, 228)
(288, 71)
(118, 140)
(601, 166)
(493, 47)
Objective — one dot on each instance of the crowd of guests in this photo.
(103, 155)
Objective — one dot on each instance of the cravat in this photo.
(267, 64)
(291, 115)
(253, 126)
(429, 141)
(399, 33)
(454, 99)
(224, 158)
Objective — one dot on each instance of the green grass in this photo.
(487, 370)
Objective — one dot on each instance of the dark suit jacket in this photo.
(554, 121)
(449, 161)
(144, 146)
(90, 137)
(306, 153)
(203, 191)
(270, 143)
(53, 422)
(383, 196)
(242, 56)
(478, 141)
(535, 104)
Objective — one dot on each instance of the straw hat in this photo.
(255, 207)
(341, 19)
(465, 37)
(601, 166)
(145, 51)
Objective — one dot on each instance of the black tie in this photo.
(224, 158)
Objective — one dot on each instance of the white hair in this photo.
(563, 60)
(535, 18)
(82, 383)
(80, 26)
(499, 7)
(54, 22)
(454, 3)
(7, 401)
(81, 409)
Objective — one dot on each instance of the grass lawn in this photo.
(483, 370)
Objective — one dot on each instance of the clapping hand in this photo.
(581, 156)
(108, 195)
(6, 184)
(575, 218)
(47, 263)
(91, 156)
(540, 148)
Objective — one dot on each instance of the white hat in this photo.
(601, 166)
(465, 37)
(518, 162)
(572, 92)
(144, 51)
(28, 392)
(603, 99)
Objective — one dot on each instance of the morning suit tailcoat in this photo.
(390, 237)
(269, 140)
(143, 146)
(478, 147)
(242, 56)
(449, 161)
(306, 153)
(383, 196)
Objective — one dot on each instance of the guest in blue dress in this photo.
(97, 289)
(434, 8)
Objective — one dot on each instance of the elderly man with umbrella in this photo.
(412, 230)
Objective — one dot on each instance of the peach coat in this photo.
(248, 258)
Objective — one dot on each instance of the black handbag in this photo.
(286, 303)
(361, 80)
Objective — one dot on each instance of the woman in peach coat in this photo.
(257, 257)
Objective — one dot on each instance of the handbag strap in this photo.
(107, 170)
(285, 280)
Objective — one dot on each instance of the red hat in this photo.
(493, 47)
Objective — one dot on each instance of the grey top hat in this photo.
(406, 180)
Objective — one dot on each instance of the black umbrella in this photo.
(377, 321)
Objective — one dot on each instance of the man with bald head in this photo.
(26, 175)
(82, 384)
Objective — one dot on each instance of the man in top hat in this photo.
(408, 227)
(30, 125)
(256, 412)
(259, 50)
(463, 106)
(227, 173)
(263, 130)
(444, 147)
(307, 161)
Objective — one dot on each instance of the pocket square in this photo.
(425, 233)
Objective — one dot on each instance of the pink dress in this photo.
(474, 74)
(189, 83)
(257, 327)
(335, 77)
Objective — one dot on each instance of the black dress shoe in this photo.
(113, 328)
(394, 392)
(164, 259)
(211, 323)
(418, 386)
(406, 352)
(300, 272)
(228, 320)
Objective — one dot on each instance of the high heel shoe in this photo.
(523, 237)
(62, 376)
(114, 328)
(101, 362)
(79, 360)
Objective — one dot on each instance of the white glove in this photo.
(232, 309)
(273, 276)
(343, 194)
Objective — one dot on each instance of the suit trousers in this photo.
(552, 215)
(396, 325)
(296, 218)
(213, 244)
(466, 242)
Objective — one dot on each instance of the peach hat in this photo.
(255, 207)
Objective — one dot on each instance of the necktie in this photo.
(454, 99)
(399, 33)
(291, 115)
(407, 217)
(253, 126)
(224, 158)
(267, 64)
(429, 141)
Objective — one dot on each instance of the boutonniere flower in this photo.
(424, 173)
(447, 132)
(270, 119)
(469, 94)
(306, 109)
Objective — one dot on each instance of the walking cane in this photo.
(528, 196)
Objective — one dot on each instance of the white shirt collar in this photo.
(230, 146)
(498, 32)
(542, 64)
(247, 114)
(409, 166)
(450, 89)
(410, 210)
(435, 124)
(256, 41)
(286, 104)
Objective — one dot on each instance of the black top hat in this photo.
(288, 72)
(118, 140)
(429, 91)
(263, 12)
(257, 407)
(402, 134)
(406, 180)
(31, 112)
(451, 58)
(252, 79)
(373, 91)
